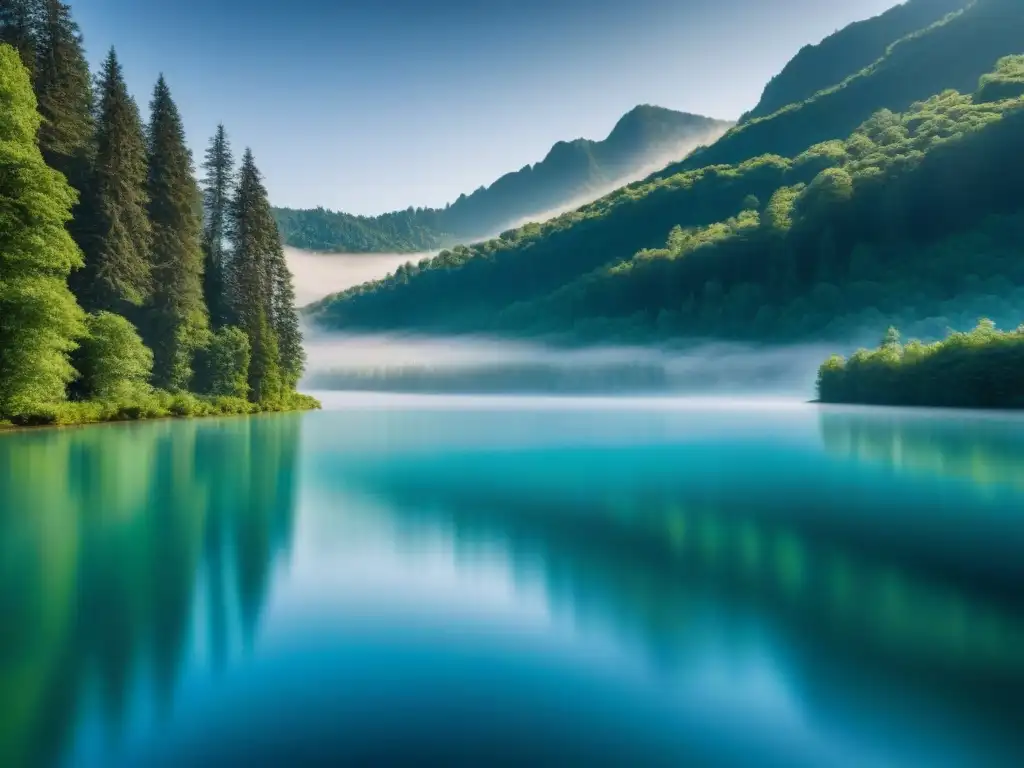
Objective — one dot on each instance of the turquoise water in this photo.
(405, 580)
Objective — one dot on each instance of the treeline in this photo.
(983, 368)
(126, 288)
(571, 170)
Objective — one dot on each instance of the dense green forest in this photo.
(982, 368)
(127, 290)
(913, 217)
(572, 170)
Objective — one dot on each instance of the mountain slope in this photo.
(859, 45)
(643, 140)
(513, 283)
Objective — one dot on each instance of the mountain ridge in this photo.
(612, 254)
(570, 171)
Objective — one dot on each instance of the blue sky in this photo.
(374, 105)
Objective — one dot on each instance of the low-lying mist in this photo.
(317, 275)
(477, 365)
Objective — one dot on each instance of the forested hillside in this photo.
(646, 136)
(851, 49)
(126, 289)
(912, 215)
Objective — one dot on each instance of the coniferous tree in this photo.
(117, 275)
(249, 278)
(176, 322)
(286, 319)
(39, 318)
(64, 92)
(218, 186)
(19, 23)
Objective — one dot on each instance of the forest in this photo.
(127, 288)
(982, 368)
(571, 170)
(911, 217)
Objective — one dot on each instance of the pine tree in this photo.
(39, 318)
(285, 319)
(249, 278)
(218, 186)
(117, 275)
(64, 92)
(19, 23)
(176, 320)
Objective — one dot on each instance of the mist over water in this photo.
(317, 275)
(481, 365)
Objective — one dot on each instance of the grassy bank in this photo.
(980, 369)
(157, 405)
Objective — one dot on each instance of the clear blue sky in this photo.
(373, 105)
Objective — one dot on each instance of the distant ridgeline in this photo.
(645, 138)
(895, 196)
(115, 301)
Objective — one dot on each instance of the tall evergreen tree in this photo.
(249, 278)
(176, 323)
(218, 187)
(19, 23)
(286, 319)
(64, 92)
(117, 275)
(39, 318)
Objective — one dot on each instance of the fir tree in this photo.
(39, 318)
(117, 275)
(286, 319)
(19, 23)
(249, 278)
(64, 92)
(218, 186)
(176, 323)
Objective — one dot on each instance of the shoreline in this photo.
(308, 403)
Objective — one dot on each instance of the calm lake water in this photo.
(506, 581)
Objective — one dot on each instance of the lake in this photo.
(480, 581)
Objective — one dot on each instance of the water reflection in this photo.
(109, 537)
(986, 449)
(783, 586)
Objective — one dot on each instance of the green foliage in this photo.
(217, 189)
(138, 220)
(570, 171)
(176, 321)
(19, 22)
(260, 294)
(1007, 82)
(225, 365)
(113, 362)
(119, 241)
(39, 318)
(980, 369)
(848, 224)
(853, 48)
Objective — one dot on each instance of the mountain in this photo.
(817, 67)
(644, 139)
(889, 196)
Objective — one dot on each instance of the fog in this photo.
(478, 365)
(318, 275)
(657, 161)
